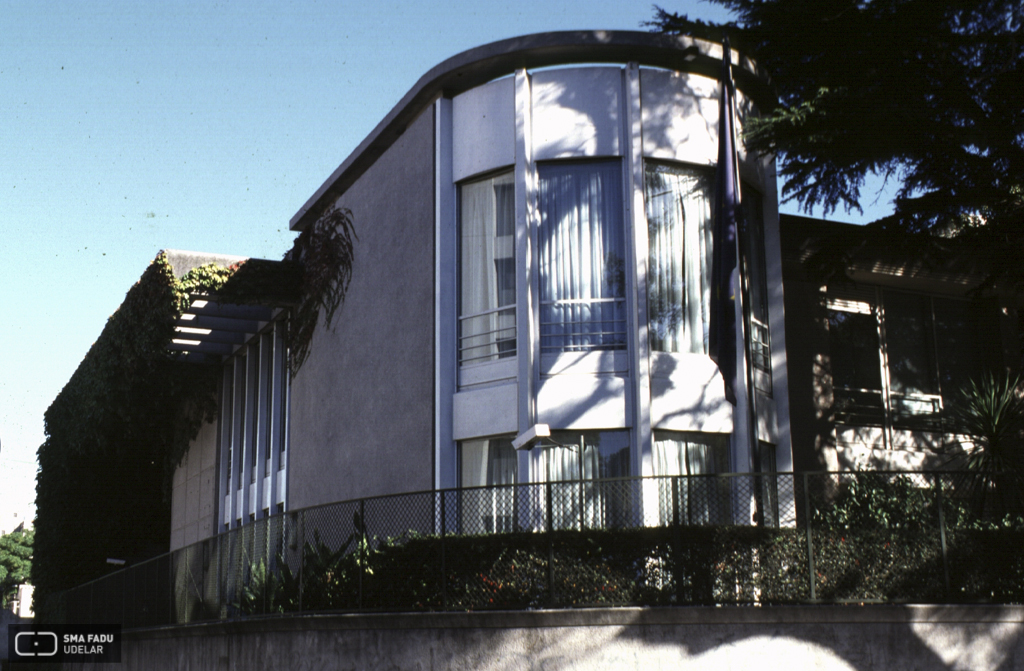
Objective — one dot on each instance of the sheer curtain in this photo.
(582, 257)
(587, 501)
(487, 294)
(692, 500)
(679, 227)
(488, 462)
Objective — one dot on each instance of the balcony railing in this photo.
(723, 539)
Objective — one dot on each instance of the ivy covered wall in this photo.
(124, 420)
(115, 432)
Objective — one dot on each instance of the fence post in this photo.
(222, 586)
(942, 535)
(444, 572)
(677, 570)
(362, 548)
(582, 511)
(171, 615)
(302, 551)
(551, 549)
(810, 544)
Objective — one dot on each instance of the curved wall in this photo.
(628, 114)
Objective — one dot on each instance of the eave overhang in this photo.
(214, 326)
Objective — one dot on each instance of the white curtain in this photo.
(587, 501)
(582, 257)
(487, 269)
(679, 228)
(488, 462)
(692, 500)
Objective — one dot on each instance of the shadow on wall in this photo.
(992, 646)
(681, 114)
(938, 646)
(580, 117)
(703, 408)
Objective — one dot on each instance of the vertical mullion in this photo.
(224, 450)
(264, 345)
(527, 298)
(935, 352)
(276, 418)
(879, 312)
(446, 292)
(237, 438)
(638, 245)
(249, 440)
(286, 399)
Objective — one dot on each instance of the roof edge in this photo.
(183, 261)
(481, 64)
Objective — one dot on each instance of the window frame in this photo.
(575, 341)
(507, 347)
(876, 301)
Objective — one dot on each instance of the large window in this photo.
(587, 454)
(579, 464)
(678, 202)
(486, 462)
(487, 270)
(582, 257)
(699, 498)
(898, 358)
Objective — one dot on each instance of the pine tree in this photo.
(928, 92)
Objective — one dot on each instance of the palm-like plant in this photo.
(990, 412)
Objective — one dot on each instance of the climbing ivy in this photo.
(126, 418)
(324, 250)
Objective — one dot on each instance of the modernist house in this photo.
(533, 257)
(529, 303)
(533, 251)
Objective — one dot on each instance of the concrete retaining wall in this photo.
(6, 618)
(908, 638)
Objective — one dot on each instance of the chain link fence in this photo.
(707, 539)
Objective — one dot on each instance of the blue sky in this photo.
(131, 127)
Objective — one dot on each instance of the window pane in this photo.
(687, 453)
(693, 498)
(605, 454)
(853, 345)
(754, 219)
(963, 340)
(487, 270)
(760, 346)
(582, 257)
(768, 485)
(588, 501)
(909, 344)
(487, 462)
(856, 368)
(678, 203)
